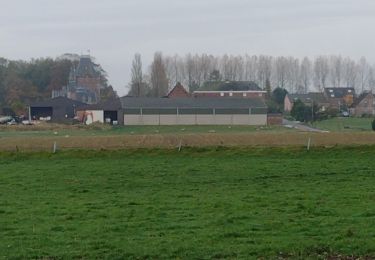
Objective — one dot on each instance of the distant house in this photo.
(340, 98)
(308, 99)
(235, 89)
(84, 82)
(60, 109)
(364, 105)
(178, 92)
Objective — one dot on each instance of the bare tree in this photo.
(281, 71)
(349, 72)
(321, 72)
(159, 80)
(291, 73)
(364, 73)
(306, 74)
(264, 70)
(336, 71)
(137, 85)
(250, 68)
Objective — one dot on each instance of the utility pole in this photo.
(312, 111)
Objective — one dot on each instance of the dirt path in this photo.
(301, 127)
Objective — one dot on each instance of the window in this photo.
(260, 94)
(331, 91)
(244, 94)
(349, 91)
(332, 95)
(231, 94)
(221, 94)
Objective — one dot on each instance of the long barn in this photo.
(193, 111)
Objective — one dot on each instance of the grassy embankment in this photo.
(199, 203)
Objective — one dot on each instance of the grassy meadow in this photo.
(345, 124)
(203, 203)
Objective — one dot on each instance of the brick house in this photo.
(364, 105)
(313, 97)
(234, 94)
(340, 98)
(85, 82)
(178, 92)
(233, 89)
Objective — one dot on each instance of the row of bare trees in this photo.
(293, 74)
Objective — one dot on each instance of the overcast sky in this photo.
(116, 29)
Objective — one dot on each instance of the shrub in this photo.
(373, 125)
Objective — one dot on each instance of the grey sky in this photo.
(115, 29)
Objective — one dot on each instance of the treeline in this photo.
(23, 82)
(290, 73)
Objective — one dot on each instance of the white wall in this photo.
(94, 116)
(195, 119)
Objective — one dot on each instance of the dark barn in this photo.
(59, 109)
(112, 111)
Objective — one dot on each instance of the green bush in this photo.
(373, 125)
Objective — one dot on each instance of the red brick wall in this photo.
(178, 91)
(90, 83)
(274, 119)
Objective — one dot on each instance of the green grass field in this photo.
(194, 204)
(345, 124)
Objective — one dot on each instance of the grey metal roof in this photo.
(307, 98)
(339, 92)
(144, 102)
(110, 105)
(57, 102)
(86, 67)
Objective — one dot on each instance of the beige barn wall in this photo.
(186, 120)
(241, 119)
(205, 120)
(168, 119)
(150, 119)
(223, 119)
(195, 119)
(258, 120)
(132, 120)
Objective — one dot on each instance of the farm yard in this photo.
(200, 203)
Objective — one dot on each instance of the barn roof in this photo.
(57, 102)
(111, 104)
(144, 102)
